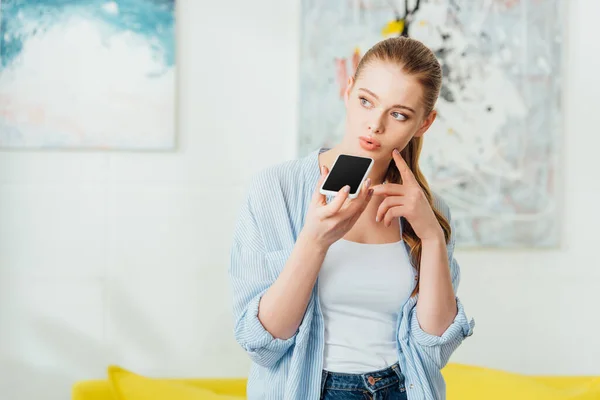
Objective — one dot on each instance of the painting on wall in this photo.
(492, 152)
(87, 74)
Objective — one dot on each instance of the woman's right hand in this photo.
(327, 223)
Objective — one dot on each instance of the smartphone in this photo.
(347, 170)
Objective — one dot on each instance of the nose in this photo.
(376, 127)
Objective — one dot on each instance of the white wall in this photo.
(116, 257)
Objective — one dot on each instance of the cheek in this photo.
(403, 128)
(402, 131)
(356, 115)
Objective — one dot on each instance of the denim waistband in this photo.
(371, 381)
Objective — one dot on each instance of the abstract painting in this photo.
(87, 74)
(493, 150)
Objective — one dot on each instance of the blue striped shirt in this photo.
(270, 220)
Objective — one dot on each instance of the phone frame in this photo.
(350, 195)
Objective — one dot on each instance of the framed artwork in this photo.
(493, 151)
(87, 74)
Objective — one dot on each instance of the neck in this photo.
(378, 172)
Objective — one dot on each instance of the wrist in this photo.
(311, 242)
(435, 238)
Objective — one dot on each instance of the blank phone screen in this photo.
(348, 170)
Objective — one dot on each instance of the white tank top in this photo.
(362, 288)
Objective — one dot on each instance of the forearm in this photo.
(436, 307)
(283, 306)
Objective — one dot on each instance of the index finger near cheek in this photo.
(405, 172)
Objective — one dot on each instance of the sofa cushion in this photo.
(127, 385)
(464, 382)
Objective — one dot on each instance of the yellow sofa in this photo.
(102, 389)
(463, 382)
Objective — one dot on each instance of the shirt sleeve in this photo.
(440, 348)
(250, 278)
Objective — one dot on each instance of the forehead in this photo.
(391, 84)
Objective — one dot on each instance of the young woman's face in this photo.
(384, 111)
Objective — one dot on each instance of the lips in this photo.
(369, 143)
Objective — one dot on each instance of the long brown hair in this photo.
(416, 59)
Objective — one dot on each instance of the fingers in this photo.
(391, 214)
(405, 172)
(358, 205)
(362, 206)
(389, 189)
(317, 196)
(336, 204)
(387, 204)
(355, 206)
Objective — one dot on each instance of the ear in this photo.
(426, 123)
(349, 87)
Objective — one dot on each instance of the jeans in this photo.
(386, 384)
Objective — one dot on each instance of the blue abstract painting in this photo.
(87, 74)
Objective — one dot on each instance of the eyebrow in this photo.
(394, 106)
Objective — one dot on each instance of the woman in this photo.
(353, 299)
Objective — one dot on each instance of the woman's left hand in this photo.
(407, 200)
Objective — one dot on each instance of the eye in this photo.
(365, 102)
(399, 117)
